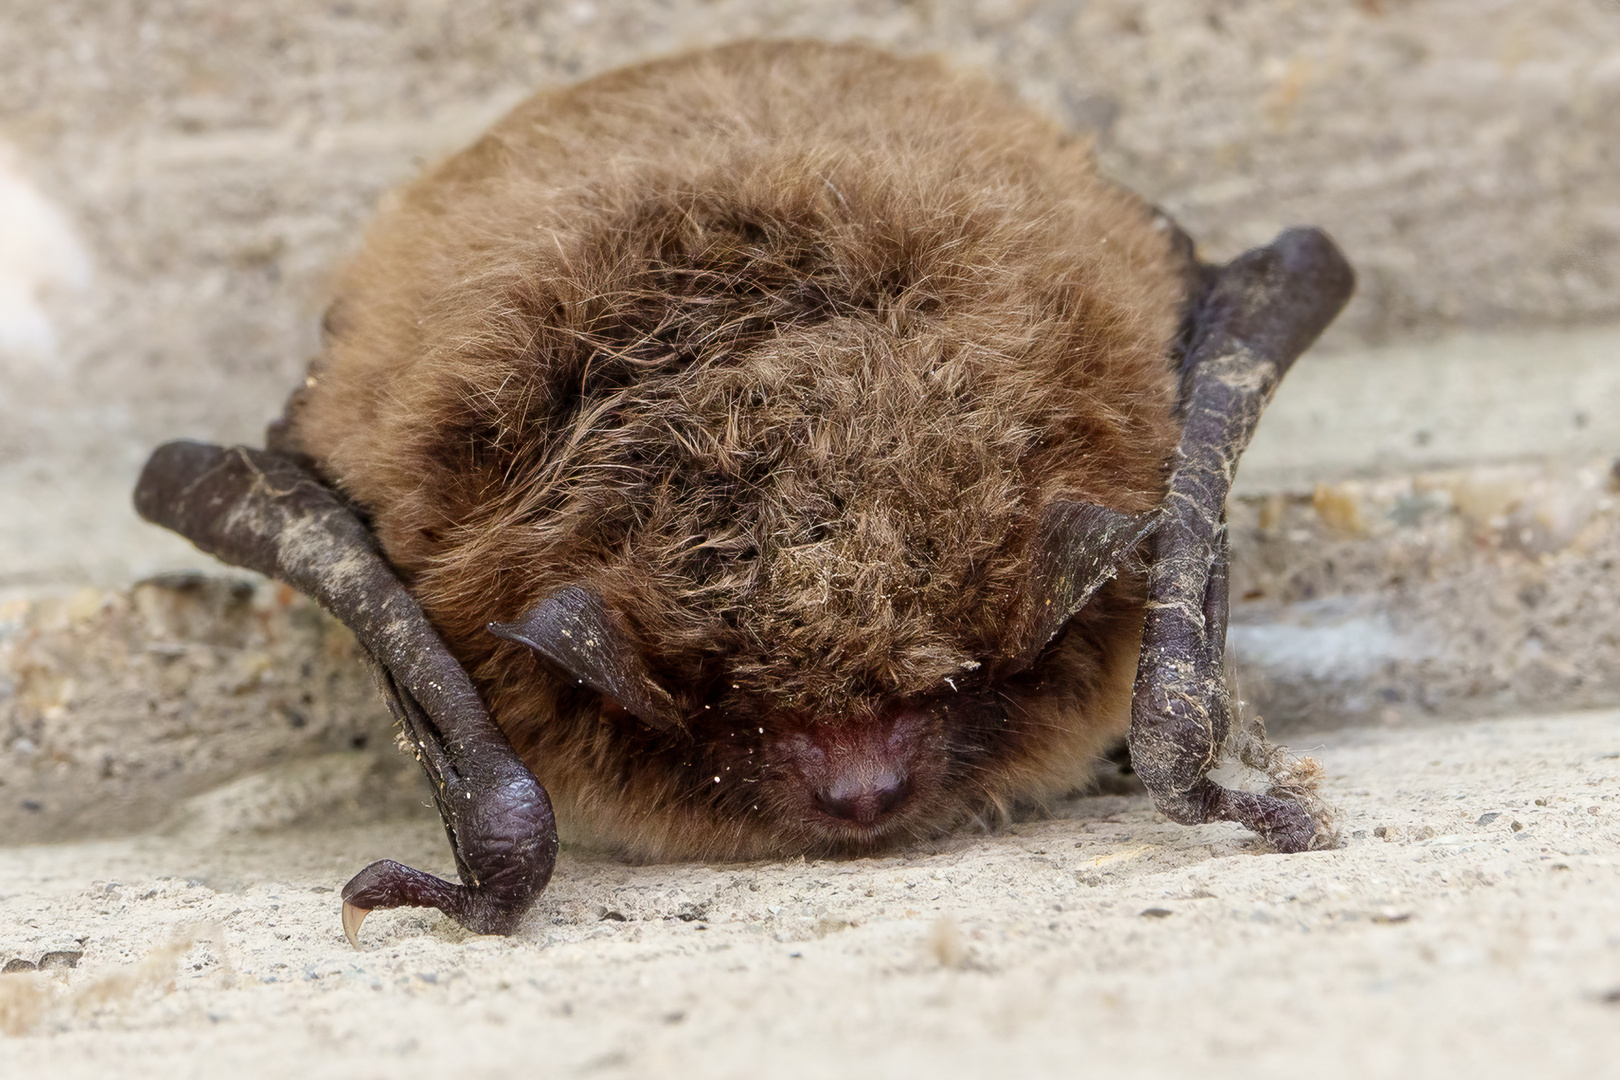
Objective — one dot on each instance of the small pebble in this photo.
(1486, 819)
(1157, 913)
(59, 960)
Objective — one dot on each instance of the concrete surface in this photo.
(1461, 401)
(1466, 929)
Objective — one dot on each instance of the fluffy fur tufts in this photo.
(780, 349)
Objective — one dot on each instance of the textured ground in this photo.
(1468, 927)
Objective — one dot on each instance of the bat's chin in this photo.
(823, 834)
(830, 838)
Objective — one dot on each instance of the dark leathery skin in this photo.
(260, 510)
(1079, 547)
(1261, 311)
(574, 631)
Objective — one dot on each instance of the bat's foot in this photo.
(496, 814)
(264, 511)
(388, 884)
(1284, 824)
(1257, 314)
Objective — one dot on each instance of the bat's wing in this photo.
(1256, 315)
(259, 509)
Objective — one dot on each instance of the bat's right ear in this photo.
(1078, 547)
(574, 631)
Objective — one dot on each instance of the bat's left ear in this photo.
(575, 632)
(1078, 548)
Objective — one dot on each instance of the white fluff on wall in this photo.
(38, 253)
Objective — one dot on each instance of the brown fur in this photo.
(780, 349)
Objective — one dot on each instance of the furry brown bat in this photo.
(793, 447)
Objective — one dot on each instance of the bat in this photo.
(779, 449)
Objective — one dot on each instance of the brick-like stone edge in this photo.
(118, 704)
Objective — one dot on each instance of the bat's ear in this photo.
(573, 630)
(1078, 548)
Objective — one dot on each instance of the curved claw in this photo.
(1284, 824)
(353, 917)
(482, 908)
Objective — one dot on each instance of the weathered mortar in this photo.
(115, 705)
(1457, 593)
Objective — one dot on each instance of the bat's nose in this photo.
(864, 799)
(862, 773)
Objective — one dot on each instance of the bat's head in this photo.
(736, 763)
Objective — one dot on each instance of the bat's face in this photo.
(745, 776)
(809, 598)
(734, 764)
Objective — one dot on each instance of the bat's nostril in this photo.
(864, 800)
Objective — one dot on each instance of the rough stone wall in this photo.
(116, 705)
(218, 160)
(1456, 593)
